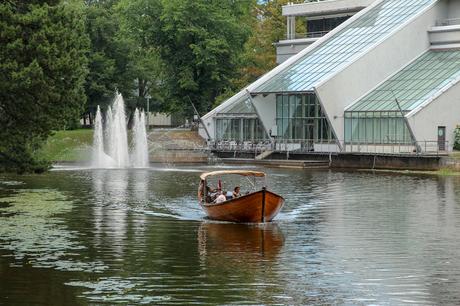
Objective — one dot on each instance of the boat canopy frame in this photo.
(204, 176)
(246, 173)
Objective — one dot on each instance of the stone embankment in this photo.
(177, 146)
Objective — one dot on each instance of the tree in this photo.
(108, 56)
(42, 72)
(268, 26)
(145, 65)
(199, 42)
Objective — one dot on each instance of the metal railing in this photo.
(432, 147)
(448, 22)
(305, 35)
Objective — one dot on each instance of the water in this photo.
(134, 236)
(99, 158)
(139, 156)
(113, 152)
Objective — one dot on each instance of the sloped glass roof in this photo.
(343, 46)
(414, 84)
(242, 106)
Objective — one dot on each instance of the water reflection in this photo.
(250, 241)
(341, 238)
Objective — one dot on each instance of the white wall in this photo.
(442, 111)
(210, 125)
(266, 108)
(372, 68)
(453, 10)
(445, 35)
(325, 7)
(287, 48)
(159, 119)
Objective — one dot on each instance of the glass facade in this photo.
(342, 47)
(324, 24)
(239, 122)
(239, 129)
(241, 106)
(414, 84)
(376, 128)
(299, 116)
(376, 118)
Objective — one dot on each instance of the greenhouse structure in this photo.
(384, 80)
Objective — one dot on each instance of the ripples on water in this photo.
(125, 236)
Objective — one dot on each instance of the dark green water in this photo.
(139, 237)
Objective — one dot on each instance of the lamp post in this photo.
(148, 111)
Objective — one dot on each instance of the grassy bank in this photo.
(67, 146)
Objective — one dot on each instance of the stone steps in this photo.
(176, 146)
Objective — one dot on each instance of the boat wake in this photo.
(296, 213)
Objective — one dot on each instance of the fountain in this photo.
(117, 154)
(139, 155)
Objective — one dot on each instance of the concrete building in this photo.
(318, 19)
(385, 80)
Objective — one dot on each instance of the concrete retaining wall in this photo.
(357, 161)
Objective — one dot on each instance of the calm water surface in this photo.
(139, 237)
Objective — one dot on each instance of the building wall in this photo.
(453, 10)
(287, 48)
(442, 111)
(376, 65)
(159, 119)
(210, 126)
(266, 109)
(325, 7)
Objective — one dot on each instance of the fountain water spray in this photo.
(116, 139)
(139, 156)
(119, 138)
(99, 158)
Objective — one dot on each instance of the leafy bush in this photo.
(457, 138)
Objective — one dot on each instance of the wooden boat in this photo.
(258, 206)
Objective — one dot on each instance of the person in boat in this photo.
(221, 197)
(236, 192)
(212, 194)
(229, 195)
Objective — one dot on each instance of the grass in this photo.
(67, 146)
(455, 155)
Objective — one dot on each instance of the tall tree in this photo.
(42, 72)
(109, 60)
(200, 43)
(145, 65)
(268, 26)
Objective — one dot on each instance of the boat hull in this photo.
(260, 206)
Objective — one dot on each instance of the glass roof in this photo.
(242, 106)
(343, 46)
(414, 84)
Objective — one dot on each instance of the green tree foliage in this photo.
(268, 26)
(457, 138)
(42, 72)
(145, 65)
(109, 62)
(199, 42)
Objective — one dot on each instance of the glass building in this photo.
(378, 116)
(299, 116)
(239, 122)
(387, 77)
